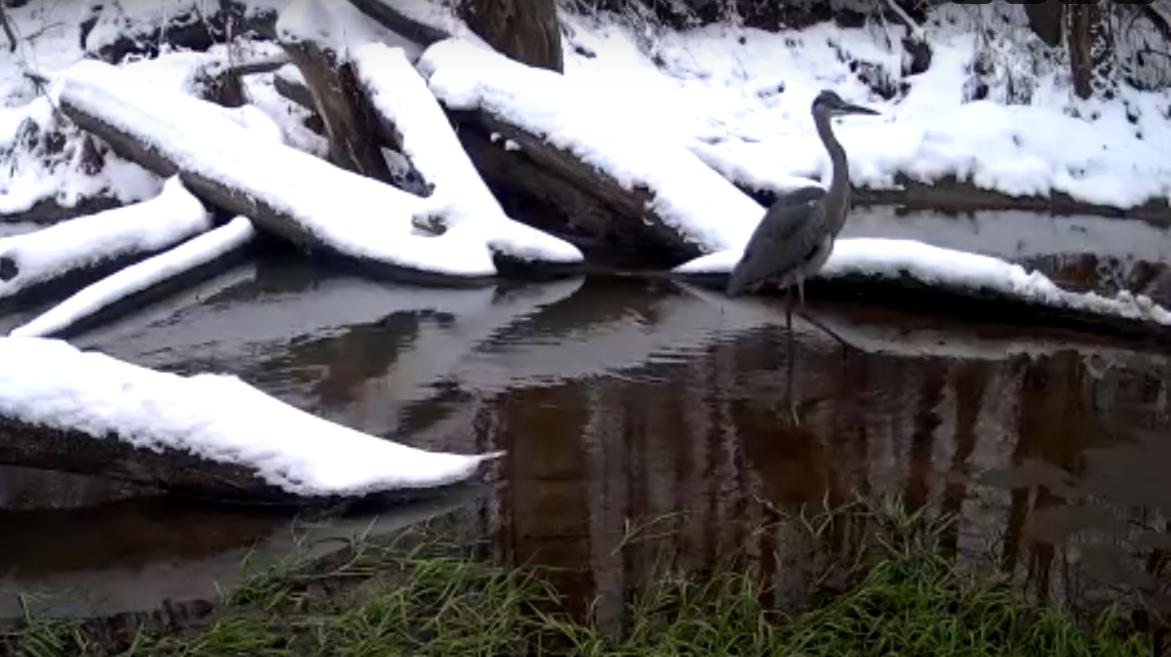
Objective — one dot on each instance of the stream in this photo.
(623, 398)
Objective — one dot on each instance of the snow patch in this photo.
(191, 254)
(219, 418)
(338, 25)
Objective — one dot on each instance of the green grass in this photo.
(904, 598)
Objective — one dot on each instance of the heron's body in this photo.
(796, 236)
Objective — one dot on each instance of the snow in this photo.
(35, 174)
(191, 254)
(336, 24)
(288, 116)
(747, 95)
(172, 216)
(219, 418)
(593, 123)
(401, 96)
(49, 44)
(355, 215)
(949, 268)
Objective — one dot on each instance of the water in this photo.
(627, 399)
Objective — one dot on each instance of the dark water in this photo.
(622, 400)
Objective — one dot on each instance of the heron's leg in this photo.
(828, 331)
(801, 291)
(790, 355)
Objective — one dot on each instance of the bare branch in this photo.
(913, 27)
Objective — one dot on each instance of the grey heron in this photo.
(796, 235)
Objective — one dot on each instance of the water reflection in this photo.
(623, 400)
(137, 555)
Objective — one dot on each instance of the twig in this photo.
(7, 28)
(914, 28)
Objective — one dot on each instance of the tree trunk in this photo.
(1045, 20)
(525, 30)
(1089, 50)
(349, 121)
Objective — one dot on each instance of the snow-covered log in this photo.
(92, 246)
(349, 122)
(397, 21)
(288, 192)
(152, 277)
(573, 154)
(931, 276)
(412, 117)
(207, 435)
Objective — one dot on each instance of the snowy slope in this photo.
(740, 98)
(35, 167)
(219, 418)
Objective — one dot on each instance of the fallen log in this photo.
(917, 274)
(205, 435)
(400, 23)
(87, 248)
(348, 119)
(411, 116)
(140, 283)
(50, 211)
(292, 194)
(652, 190)
(290, 84)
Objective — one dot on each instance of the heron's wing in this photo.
(786, 236)
(801, 196)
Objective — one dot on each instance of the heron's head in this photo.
(831, 104)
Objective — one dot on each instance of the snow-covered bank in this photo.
(288, 191)
(952, 270)
(747, 92)
(33, 258)
(194, 253)
(47, 383)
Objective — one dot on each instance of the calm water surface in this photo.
(620, 400)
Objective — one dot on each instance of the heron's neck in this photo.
(838, 200)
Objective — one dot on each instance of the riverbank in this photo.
(415, 594)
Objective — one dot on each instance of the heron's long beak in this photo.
(857, 109)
